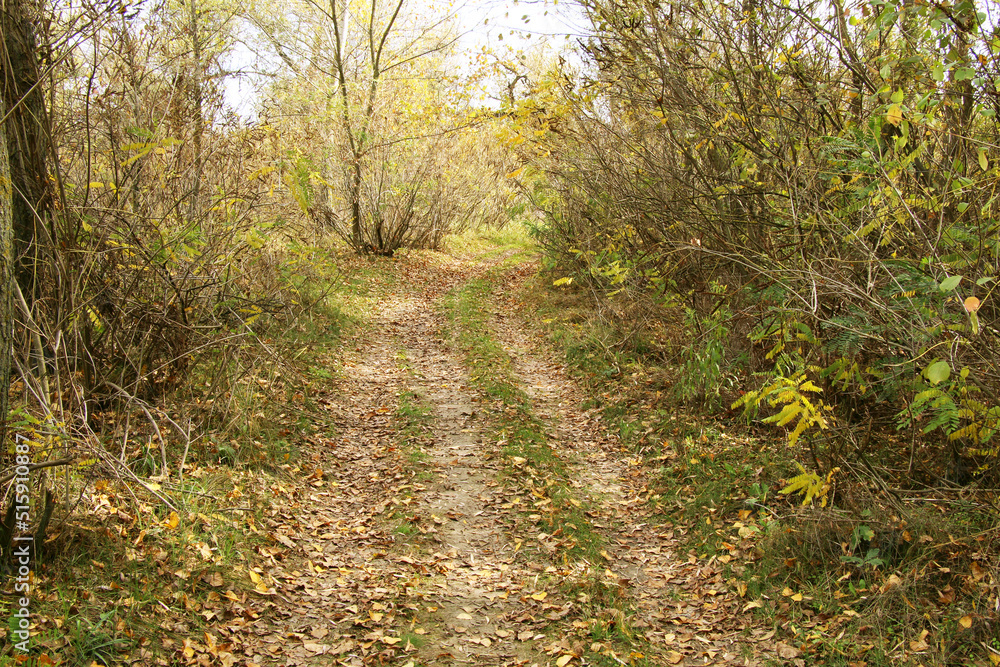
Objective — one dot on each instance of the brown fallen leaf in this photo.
(919, 644)
(316, 649)
(785, 651)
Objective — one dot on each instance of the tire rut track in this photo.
(682, 604)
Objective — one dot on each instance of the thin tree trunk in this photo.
(6, 275)
(340, 38)
(197, 99)
(27, 139)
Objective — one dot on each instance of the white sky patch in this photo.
(502, 26)
(520, 23)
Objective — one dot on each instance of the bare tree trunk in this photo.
(197, 99)
(357, 138)
(27, 139)
(6, 276)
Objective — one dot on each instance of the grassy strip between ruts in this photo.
(531, 463)
(535, 468)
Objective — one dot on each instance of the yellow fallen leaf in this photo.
(172, 521)
(391, 641)
(254, 577)
(892, 581)
(564, 660)
(919, 644)
(541, 595)
(375, 616)
(786, 591)
(674, 657)
(965, 621)
(797, 597)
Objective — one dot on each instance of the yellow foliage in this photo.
(790, 394)
(811, 485)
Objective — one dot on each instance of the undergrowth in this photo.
(882, 574)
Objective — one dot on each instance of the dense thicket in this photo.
(816, 183)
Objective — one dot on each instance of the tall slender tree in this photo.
(28, 139)
(6, 276)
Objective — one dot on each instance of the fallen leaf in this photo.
(965, 621)
(674, 657)
(919, 644)
(786, 651)
(317, 649)
(891, 582)
(541, 595)
(564, 660)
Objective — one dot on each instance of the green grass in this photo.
(719, 481)
(486, 242)
(418, 641)
(531, 462)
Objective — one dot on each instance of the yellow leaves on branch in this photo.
(811, 485)
(791, 395)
